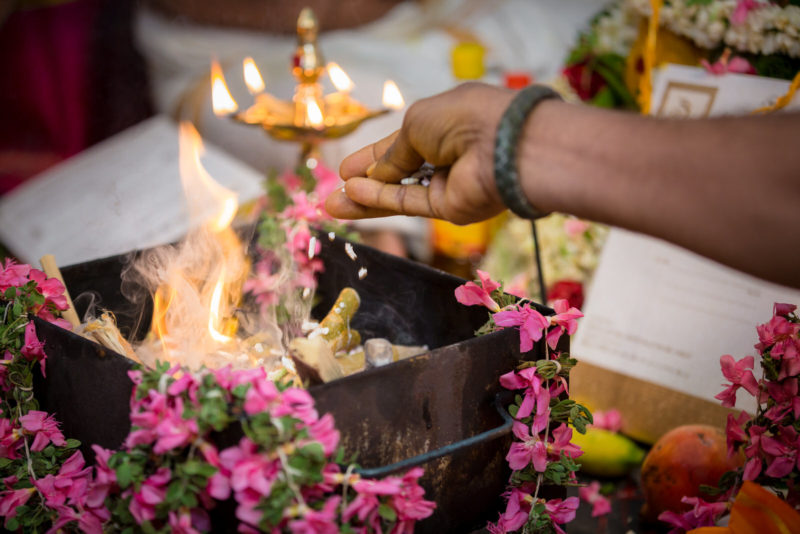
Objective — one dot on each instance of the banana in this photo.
(606, 453)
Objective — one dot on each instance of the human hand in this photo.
(454, 131)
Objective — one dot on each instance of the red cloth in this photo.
(44, 61)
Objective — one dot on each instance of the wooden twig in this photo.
(50, 268)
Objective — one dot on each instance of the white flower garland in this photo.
(769, 29)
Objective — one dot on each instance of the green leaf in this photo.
(124, 474)
(73, 444)
(12, 524)
(189, 500)
(387, 512)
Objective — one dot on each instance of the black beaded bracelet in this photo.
(506, 174)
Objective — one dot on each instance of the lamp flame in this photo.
(252, 77)
(339, 78)
(221, 99)
(392, 98)
(314, 113)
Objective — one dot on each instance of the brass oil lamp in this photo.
(310, 117)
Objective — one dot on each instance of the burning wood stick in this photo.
(50, 268)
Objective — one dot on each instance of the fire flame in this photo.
(339, 78)
(314, 113)
(392, 98)
(252, 77)
(221, 99)
(201, 287)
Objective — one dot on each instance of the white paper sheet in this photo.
(659, 313)
(122, 194)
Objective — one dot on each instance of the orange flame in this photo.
(200, 292)
(339, 77)
(221, 100)
(314, 113)
(392, 98)
(252, 77)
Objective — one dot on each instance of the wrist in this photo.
(510, 142)
(538, 155)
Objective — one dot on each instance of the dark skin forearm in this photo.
(727, 188)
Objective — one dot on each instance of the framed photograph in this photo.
(686, 100)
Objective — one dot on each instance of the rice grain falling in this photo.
(312, 247)
(362, 273)
(348, 247)
(331, 236)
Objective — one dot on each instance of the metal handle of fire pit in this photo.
(502, 430)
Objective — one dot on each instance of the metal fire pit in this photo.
(440, 409)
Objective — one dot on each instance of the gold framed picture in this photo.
(685, 100)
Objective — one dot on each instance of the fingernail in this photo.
(371, 168)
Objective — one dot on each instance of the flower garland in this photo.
(286, 249)
(284, 474)
(542, 453)
(770, 440)
(570, 250)
(752, 26)
(742, 36)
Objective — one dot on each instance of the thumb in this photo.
(399, 161)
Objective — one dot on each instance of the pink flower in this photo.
(11, 499)
(318, 521)
(608, 420)
(530, 450)
(44, 428)
(70, 485)
(565, 320)
(152, 492)
(173, 431)
(777, 330)
(531, 324)
(296, 403)
(518, 508)
(181, 523)
(324, 432)
(13, 274)
(724, 65)
(327, 180)
(51, 288)
(104, 478)
(33, 349)
(562, 511)
(410, 503)
(591, 494)
(261, 394)
(734, 431)
(365, 505)
(703, 514)
(739, 375)
(743, 7)
(781, 308)
(472, 294)
(264, 284)
(304, 208)
(535, 394)
(10, 439)
(561, 443)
